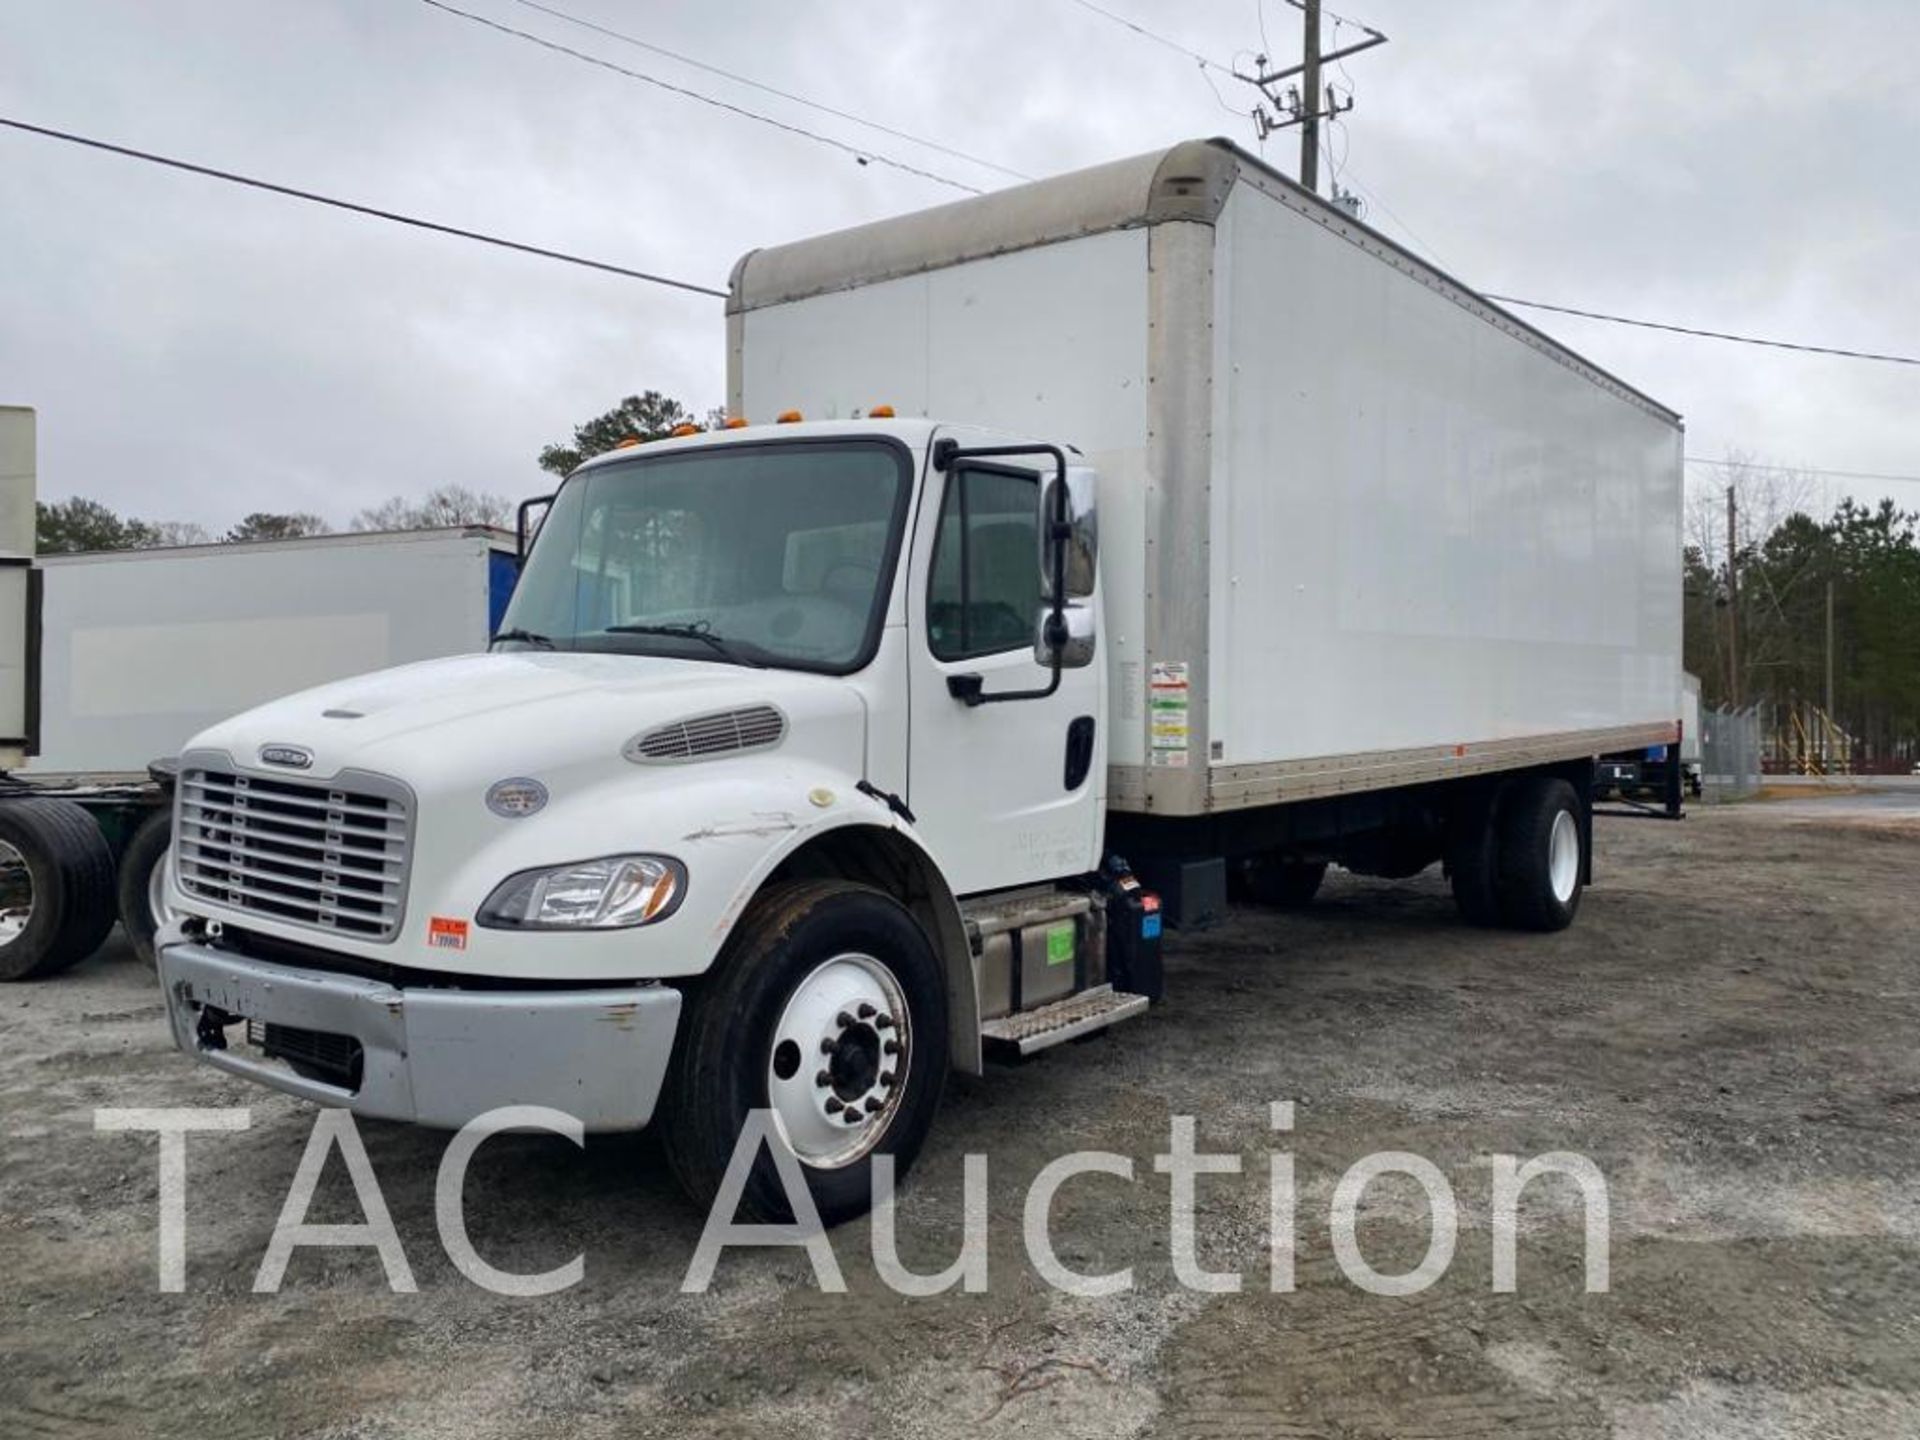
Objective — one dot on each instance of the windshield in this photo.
(771, 554)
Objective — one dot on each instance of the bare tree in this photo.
(446, 506)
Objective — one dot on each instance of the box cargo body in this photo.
(1360, 528)
(142, 649)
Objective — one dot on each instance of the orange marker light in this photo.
(734, 422)
(788, 417)
(627, 444)
(680, 430)
(880, 412)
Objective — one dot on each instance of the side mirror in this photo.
(526, 527)
(1083, 534)
(1073, 635)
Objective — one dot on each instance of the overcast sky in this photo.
(197, 350)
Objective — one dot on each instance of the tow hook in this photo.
(211, 1030)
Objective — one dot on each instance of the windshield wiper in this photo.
(525, 637)
(699, 630)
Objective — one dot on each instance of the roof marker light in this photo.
(788, 417)
(880, 412)
(626, 442)
(734, 422)
(683, 429)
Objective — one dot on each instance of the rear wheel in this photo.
(143, 883)
(1473, 857)
(1542, 855)
(829, 1011)
(56, 887)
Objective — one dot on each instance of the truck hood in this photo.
(541, 714)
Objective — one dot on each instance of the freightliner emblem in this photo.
(294, 757)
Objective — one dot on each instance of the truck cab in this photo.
(767, 704)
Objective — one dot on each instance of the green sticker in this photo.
(1060, 943)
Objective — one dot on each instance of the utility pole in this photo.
(1310, 93)
(1733, 603)
(1311, 103)
(1830, 655)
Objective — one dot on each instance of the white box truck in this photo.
(111, 661)
(1157, 511)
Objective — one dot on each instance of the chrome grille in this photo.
(724, 732)
(332, 855)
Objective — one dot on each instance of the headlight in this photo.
(614, 893)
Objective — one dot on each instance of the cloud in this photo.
(198, 351)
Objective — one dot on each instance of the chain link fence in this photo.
(1730, 745)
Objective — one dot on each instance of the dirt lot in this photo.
(1729, 1032)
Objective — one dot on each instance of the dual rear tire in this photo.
(56, 887)
(1517, 855)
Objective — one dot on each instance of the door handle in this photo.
(1079, 751)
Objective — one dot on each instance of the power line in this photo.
(1709, 334)
(861, 155)
(393, 215)
(398, 218)
(765, 88)
(1804, 470)
(1795, 346)
(1204, 61)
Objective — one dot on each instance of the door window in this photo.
(984, 589)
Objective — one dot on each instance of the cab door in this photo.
(1004, 792)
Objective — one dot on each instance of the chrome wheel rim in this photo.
(837, 1065)
(16, 894)
(1563, 856)
(163, 913)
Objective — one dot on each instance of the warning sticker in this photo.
(1060, 943)
(446, 933)
(1168, 694)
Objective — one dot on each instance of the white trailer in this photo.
(1383, 530)
(112, 660)
(142, 649)
(1158, 511)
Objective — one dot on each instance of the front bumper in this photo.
(430, 1056)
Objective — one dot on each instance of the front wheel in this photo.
(143, 883)
(828, 1010)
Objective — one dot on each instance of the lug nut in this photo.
(853, 1116)
(883, 1022)
(892, 1047)
(886, 1078)
(866, 1011)
(826, 1045)
(835, 1105)
(843, 1020)
(873, 1104)
(823, 1079)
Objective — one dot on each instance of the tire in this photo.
(56, 887)
(1541, 855)
(793, 947)
(140, 869)
(1283, 884)
(1473, 857)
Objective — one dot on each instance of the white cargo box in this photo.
(1359, 526)
(141, 649)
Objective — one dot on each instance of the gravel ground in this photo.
(1728, 1033)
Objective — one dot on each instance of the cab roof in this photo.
(915, 432)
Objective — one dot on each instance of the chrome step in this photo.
(1063, 1020)
(1036, 905)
